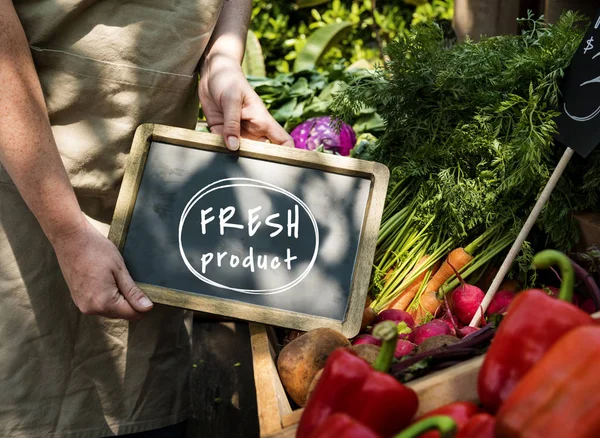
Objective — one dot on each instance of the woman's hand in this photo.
(232, 108)
(97, 277)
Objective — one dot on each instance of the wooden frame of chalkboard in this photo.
(376, 173)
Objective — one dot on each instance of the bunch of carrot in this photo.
(416, 262)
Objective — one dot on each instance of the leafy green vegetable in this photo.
(470, 128)
(296, 97)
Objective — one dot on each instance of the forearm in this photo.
(27, 148)
(229, 36)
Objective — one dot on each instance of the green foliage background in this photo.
(282, 27)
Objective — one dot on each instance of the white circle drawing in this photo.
(246, 182)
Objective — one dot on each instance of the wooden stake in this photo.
(516, 247)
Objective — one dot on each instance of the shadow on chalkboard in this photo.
(174, 174)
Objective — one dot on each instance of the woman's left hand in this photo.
(232, 108)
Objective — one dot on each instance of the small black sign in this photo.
(579, 122)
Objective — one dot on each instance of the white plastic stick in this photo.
(518, 243)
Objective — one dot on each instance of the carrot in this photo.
(428, 301)
(406, 297)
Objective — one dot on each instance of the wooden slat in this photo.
(291, 418)
(265, 378)
(288, 432)
(130, 186)
(456, 383)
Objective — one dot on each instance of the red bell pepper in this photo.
(461, 412)
(342, 426)
(533, 323)
(479, 426)
(366, 394)
(445, 426)
(560, 396)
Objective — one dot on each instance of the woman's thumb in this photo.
(132, 293)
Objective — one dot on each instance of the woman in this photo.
(83, 352)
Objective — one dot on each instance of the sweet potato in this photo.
(301, 359)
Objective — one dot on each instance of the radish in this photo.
(404, 331)
(466, 300)
(403, 320)
(449, 319)
(466, 330)
(396, 315)
(446, 319)
(430, 329)
(500, 302)
(403, 347)
(366, 339)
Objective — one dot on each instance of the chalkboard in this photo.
(579, 121)
(267, 234)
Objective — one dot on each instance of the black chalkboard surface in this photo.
(579, 121)
(268, 234)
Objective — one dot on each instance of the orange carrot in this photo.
(428, 302)
(406, 297)
(413, 271)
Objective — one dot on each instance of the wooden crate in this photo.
(277, 419)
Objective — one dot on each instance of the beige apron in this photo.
(105, 67)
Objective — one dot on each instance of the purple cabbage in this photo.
(318, 134)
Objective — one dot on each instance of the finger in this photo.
(249, 136)
(121, 308)
(109, 304)
(232, 116)
(216, 129)
(272, 130)
(276, 134)
(131, 292)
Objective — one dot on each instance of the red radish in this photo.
(430, 329)
(396, 315)
(404, 331)
(466, 300)
(403, 347)
(404, 320)
(466, 330)
(447, 320)
(366, 339)
(500, 302)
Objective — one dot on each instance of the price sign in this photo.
(579, 122)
